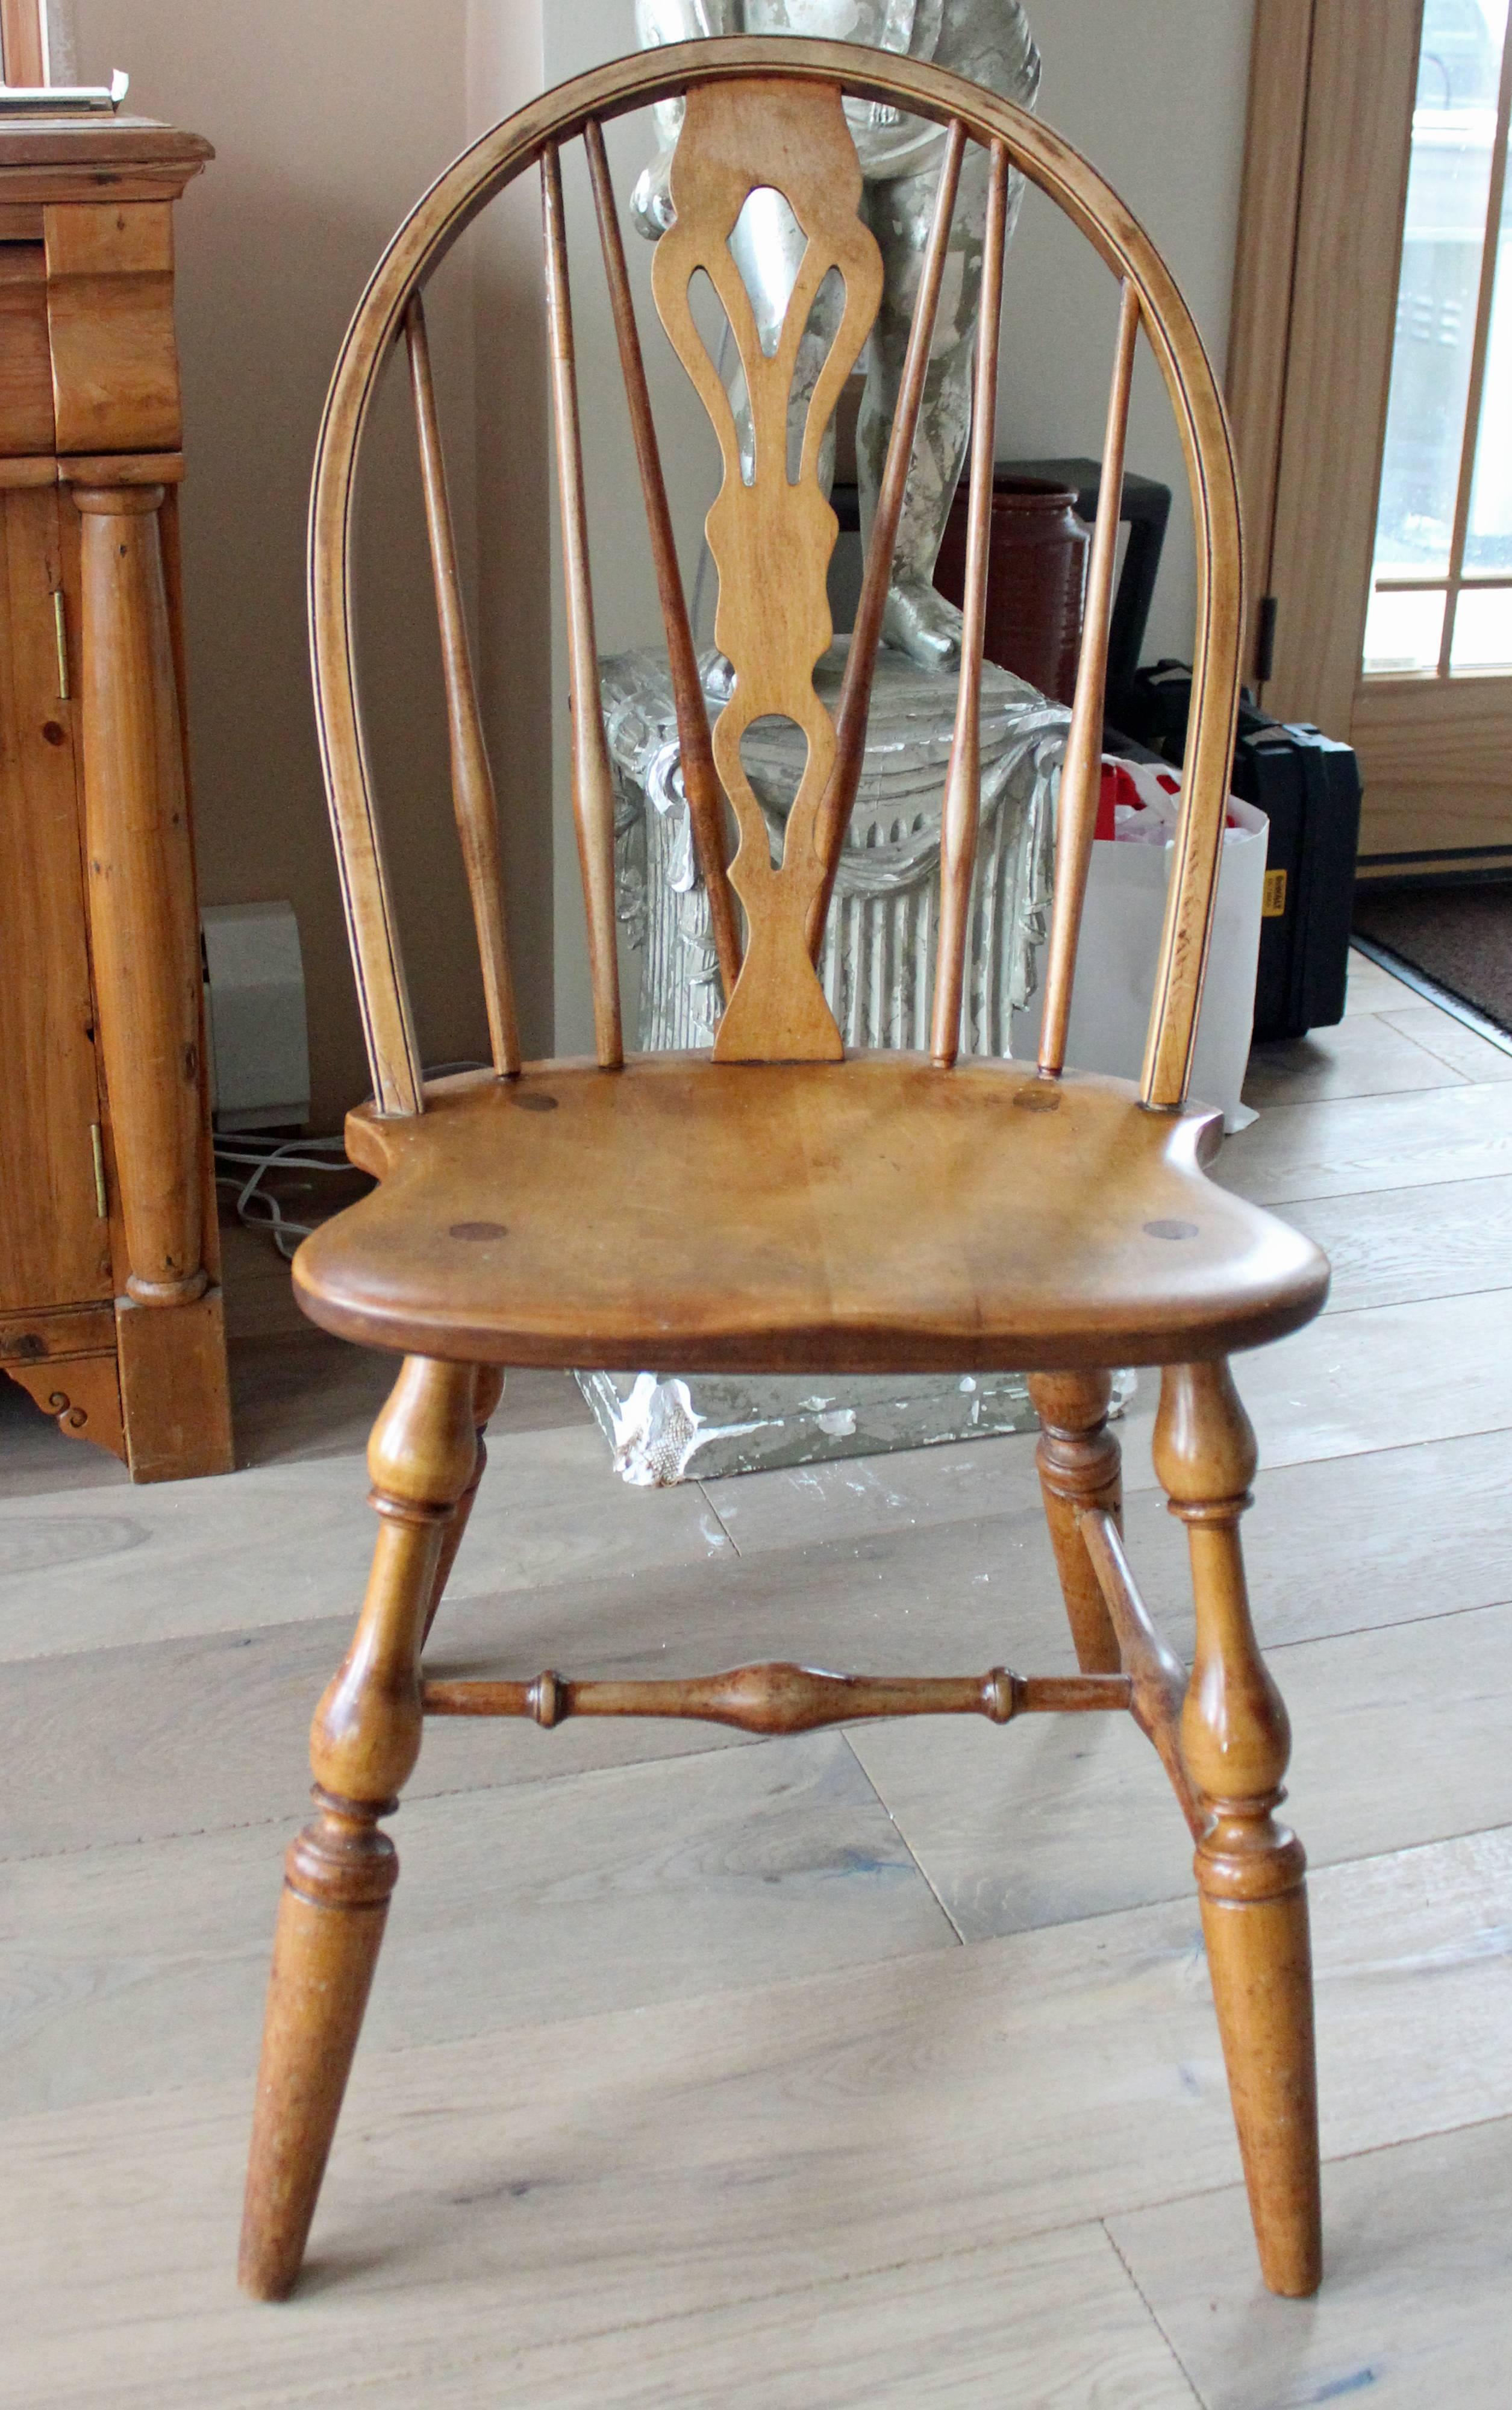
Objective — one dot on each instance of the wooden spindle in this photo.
(592, 778)
(789, 1698)
(1081, 770)
(834, 814)
(472, 790)
(1206, 771)
(1157, 1672)
(962, 784)
(701, 785)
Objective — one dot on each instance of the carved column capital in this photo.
(125, 501)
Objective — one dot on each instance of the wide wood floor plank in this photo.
(1452, 1040)
(1052, 2320)
(561, 2182)
(1385, 1376)
(195, 1735)
(1389, 1376)
(1413, 2313)
(287, 1542)
(866, 1495)
(1349, 1542)
(644, 1885)
(1372, 989)
(1364, 1055)
(1351, 1145)
(1073, 1817)
(1398, 1246)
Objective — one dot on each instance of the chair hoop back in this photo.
(766, 114)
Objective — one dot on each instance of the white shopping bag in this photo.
(1120, 944)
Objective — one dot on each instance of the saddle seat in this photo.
(876, 1215)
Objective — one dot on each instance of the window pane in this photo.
(1448, 178)
(1489, 536)
(1483, 629)
(1403, 632)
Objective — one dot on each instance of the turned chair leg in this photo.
(1236, 1740)
(487, 1389)
(338, 1873)
(1080, 1466)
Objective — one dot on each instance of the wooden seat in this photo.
(776, 1223)
(775, 1204)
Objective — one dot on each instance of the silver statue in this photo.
(988, 41)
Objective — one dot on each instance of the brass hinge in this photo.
(60, 620)
(102, 1201)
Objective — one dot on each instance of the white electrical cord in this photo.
(256, 1206)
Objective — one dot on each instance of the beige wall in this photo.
(513, 502)
(328, 118)
(1153, 92)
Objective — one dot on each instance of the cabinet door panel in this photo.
(54, 1247)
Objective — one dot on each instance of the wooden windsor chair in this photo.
(836, 1214)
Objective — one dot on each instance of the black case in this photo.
(1308, 787)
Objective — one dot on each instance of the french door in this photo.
(1370, 378)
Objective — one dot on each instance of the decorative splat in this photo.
(771, 540)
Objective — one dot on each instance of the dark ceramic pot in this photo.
(1036, 579)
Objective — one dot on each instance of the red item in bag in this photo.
(1107, 798)
(1116, 787)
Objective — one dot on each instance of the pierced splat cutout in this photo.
(771, 540)
(766, 231)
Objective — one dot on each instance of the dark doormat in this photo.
(1459, 936)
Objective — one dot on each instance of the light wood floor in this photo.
(862, 2071)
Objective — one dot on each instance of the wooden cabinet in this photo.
(110, 1311)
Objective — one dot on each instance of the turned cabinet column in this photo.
(111, 1306)
(141, 891)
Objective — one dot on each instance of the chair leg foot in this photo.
(1260, 1962)
(1235, 1740)
(338, 1873)
(339, 1876)
(1080, 1466)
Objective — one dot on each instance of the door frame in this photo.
(1326, 147)
(23, 41)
